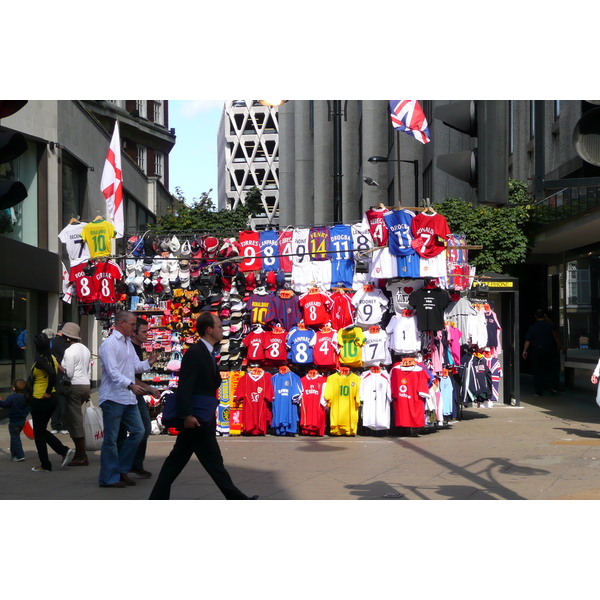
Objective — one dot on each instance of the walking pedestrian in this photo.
(544, 342)
(138, 339)
(117, 399)
(17, 414)
(199, 377)
(595, 376)
(44, 403)
(76, 363)
(58, 345)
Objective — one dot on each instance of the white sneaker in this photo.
(64, 432)
(15, 459)
(54, 431)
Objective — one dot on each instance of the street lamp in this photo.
(415, 163)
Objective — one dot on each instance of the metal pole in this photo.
(337, 161)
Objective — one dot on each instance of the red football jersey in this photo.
(106, 275)
(409, 385)
(315, 308)
(85, 285)
(312, 412)
(285, 248)
(254, 341)
(325, 349)
(342, 311)
(255, 393)
(275, 348)
(430, 233)
(250, 248)
(377, 227)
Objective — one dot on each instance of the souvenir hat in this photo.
(71, 330)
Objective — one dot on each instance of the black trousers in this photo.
(41, 411)
(202, 442)
(546, 369)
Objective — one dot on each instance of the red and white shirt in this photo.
(325, 349)
(250, 249)
(254, 341)
(285, 248)
(316, 307)
(105, 277)
(374, 220)
(430, 232)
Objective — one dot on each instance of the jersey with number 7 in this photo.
(433, 230)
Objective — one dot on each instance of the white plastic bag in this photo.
(93, 427)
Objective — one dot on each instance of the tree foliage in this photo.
(201, 215)
(503, 232)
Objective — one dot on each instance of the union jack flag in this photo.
(408, 116)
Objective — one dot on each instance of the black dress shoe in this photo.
(142, 473)
(126, 480)
(117, 484)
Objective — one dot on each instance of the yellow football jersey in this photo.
(342, 393)
(350, 341)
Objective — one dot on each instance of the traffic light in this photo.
(485, 167)
(12, 145)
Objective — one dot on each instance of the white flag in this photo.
(112, 183)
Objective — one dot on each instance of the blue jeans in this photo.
(15, 426)
(140, 455)
(113, 461)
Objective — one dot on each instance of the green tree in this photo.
(200, 215)
(503, 232)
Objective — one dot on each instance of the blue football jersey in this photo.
(269, 250)
(300, 350)
(399, 239)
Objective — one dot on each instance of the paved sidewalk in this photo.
(548, 448)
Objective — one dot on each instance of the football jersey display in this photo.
(255, 392)
(370, 305)
(285, 249)
(403, 334)
(269, 249)
(361, 240)
(375, 398)
(401, 290)
(375, 349)
(300, 348)
(300, 250)
(106, 275)
(315, 308)
(342, 310)
(318, 243)
(351, 340)
(285, 311)
(342, 273)
(342, 394)
(313, 417)
(85, 284)
(430, 231)
(409, 390)
(340, 239)
(254, 342)
(400, 236)
(275, 347)
(325, 349)
(77, 249)
(258, 306)
(287, 395)
(250, 249)
(97, 235)
(373, 219)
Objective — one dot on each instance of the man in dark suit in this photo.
(198, 376)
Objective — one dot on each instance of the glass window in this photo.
(158, 112)
(141, 157)
(159, 159)
(141, 107)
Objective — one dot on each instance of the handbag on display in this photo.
(175, 363)
(93, 427)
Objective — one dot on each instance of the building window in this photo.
(141, 157)
(119, 103)
(158, 112)
(159, 160)
(140, 105)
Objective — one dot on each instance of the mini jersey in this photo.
(77, 249)
(319, 243)
(299, 344)
(342, 310)
(400, 237)
(85, 285)
(369, 306)
(409, 389)
(375, 349)
(250, 249)
(342, 394)
(430, 232)
(403, 335)
(97, 236)
(313, 417)
(285, 311)
(376, 398)
(255, 391)
(325, 349)
(300, 250)
(287, 395)
(258, 307)
(373, 219)
(269, 249)
(106, 275)
(340, 239)
(315, 308)
(350, 341)
(254, 342)
(285, 249)
(275, 347)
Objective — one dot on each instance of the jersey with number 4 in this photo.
(374, 220)
(325, 349)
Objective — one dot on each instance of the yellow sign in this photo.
(495, 284)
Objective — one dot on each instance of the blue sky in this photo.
(193, 160)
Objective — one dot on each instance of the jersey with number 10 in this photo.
(97, 236)
(342, 393)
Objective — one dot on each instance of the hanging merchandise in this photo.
(77, 249)
(312, 410)
(350, 340)
(375, 397)
(370, 304)
(98, 235)
(287, 396)
(255, 392)
(342, 396)
(410, 387)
